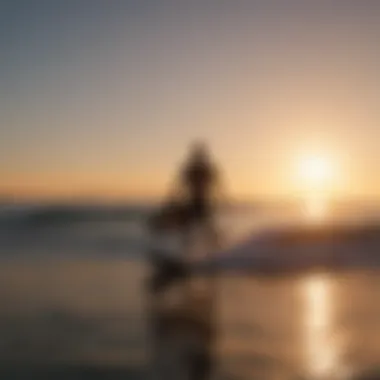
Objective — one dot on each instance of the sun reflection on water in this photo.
(316, 209)
(321, 350)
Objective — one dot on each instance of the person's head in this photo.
(199, 152)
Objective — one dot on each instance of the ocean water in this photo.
(73, 305)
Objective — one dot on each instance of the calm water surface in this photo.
(93, 313)
(316, 326)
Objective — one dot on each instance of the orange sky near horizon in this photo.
(282, 182)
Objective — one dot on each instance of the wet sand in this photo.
(87, 320)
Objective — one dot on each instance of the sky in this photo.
(102, 98)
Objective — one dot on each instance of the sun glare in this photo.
(315, 170)
(315, 178)
(316, 175)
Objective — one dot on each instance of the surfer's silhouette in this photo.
(190, 208)
(189, 211)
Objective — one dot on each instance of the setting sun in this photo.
(315, 169)
(315, 173)
(315, 177)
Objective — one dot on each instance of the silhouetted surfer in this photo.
(187, 217)
(189, 213)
